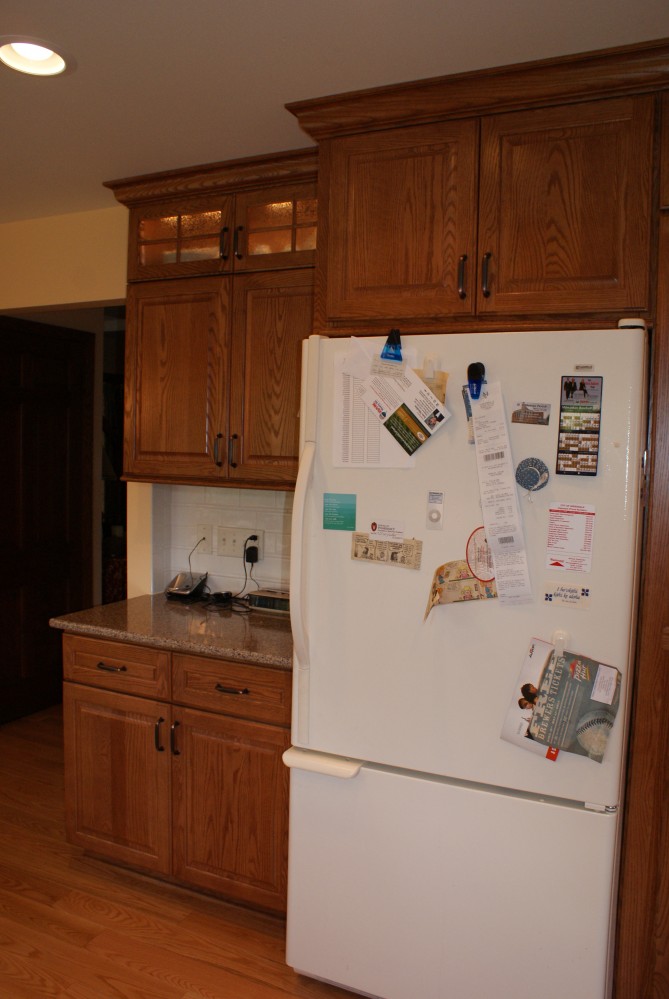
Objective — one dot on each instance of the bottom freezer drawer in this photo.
(401, 886)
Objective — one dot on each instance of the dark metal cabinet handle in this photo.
(237, 252)
(156, 736)
(173, 739)
(485, 275)
(223, 243)
(112, 669)
(462, 292)
(231, 690)
(231, 450)
(217, 455)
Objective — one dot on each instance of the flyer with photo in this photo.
(563, 702)
(407, 408)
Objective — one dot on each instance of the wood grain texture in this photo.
(643, 926)
(74, 927)
(176, 370)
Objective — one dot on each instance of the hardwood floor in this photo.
(77, 927)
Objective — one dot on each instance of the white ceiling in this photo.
(161, 84)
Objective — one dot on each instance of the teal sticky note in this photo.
(339, 511)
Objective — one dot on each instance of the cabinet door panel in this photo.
(176, 377)
(178, 238)
(401, 216)
(117, 779)
(272, 314)
(565, 207)
(275, 227)
(230, 816)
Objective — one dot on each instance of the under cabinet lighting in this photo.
(31, 55)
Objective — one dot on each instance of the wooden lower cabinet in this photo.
(230, 825)
(197, 796)
(117, 785)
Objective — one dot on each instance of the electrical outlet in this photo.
(204, 547)
(230, 541)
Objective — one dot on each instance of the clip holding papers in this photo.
(392, 350)
(475, 378)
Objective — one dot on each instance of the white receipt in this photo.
(499, 497)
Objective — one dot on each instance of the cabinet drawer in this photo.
(131, 669)
(257, 693)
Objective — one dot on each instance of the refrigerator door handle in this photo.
(300, 637)
(322, 763)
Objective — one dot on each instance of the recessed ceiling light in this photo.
(31, 55)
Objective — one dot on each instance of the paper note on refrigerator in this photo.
(407, 408)
(499, 497)
(358, 439)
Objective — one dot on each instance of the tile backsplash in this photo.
(180, 509)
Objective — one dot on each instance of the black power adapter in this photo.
(251, 554)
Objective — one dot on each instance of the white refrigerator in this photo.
(429, 856)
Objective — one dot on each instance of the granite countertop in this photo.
(254, 637)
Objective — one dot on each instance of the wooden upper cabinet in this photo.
(181, 237)
(176, 375)
(220, 295)
(269, 228)
(565, 208)
(275, 228)
(213, 378)
(401, 232)
(550, 212)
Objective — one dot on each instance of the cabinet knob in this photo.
(173, 739)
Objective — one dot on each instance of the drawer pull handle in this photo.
(485, 275)
(237, 252)
(231, 450)
(217, 457)
(112, 669)
(156, 736)
(231, 690)
(223, 243)
(462, 291)
(173, 739)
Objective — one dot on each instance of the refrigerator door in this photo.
(376, 682)
(403, 886)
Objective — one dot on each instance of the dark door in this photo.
(46, 424)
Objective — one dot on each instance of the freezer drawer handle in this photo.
(231, 690)
(321, 763)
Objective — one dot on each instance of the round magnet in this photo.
(532, 474)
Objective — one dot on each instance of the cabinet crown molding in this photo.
(638, 68)
(211, 178)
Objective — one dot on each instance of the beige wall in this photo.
(64, 260)
(74, 260)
